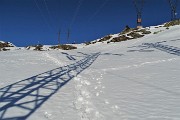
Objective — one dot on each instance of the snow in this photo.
(131, 80)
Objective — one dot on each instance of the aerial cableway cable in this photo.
(49, 13)
(58, 19)
(98, 10)
(100, 7)
(80, 2)
(43, 16)
(76, 13)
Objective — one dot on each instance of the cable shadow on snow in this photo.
(20, 100)
(70, 57)
(112, 54)
(115, 54)
(146, 47)
(82, 53)
(174, 93)
(143, 48)
(165, 48)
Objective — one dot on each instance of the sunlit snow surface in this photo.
(132, 80)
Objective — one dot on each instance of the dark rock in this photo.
(64, 47)
(126, 30)
(144, 31)
(105, 38)
(119, 39)
(87, 43)
(135, 35)
(172, 23)
(38, 47)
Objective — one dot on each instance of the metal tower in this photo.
(139, 7)
(68, 35)
(173, 5)
(59, 36)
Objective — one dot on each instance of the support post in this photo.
(139, 6)
(173, 5)
(59, 35)
(68, 35)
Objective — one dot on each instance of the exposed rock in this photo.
(119, 39)
(4, 45)
(105, 38)
(135, 35)
(126, 30)
(158, 32)
(64, 47)
(144, 31)
(87, 43)
(93, 42)
(172, 23)
(38, 47)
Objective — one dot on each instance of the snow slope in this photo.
(132, 80)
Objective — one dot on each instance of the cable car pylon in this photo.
(68, 36)
(139, 7)
(173, 5)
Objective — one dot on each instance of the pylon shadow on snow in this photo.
(20, 100)
(165, 48)
(70, 57)
(112, 54)
(175, 40)
(141, 48)
(104, 54)
(82, 53)
(146, 47)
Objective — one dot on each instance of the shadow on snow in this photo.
(70, 57)
(20, 100)
(145, 47)
(165, 48)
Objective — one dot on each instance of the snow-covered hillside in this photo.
(131, 80)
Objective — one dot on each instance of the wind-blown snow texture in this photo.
(132, 80)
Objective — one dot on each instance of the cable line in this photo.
(74, 18)
(49, 13)
(98, 10)
(76, 13)
(42, 15)
(68, 35)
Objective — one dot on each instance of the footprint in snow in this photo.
(48, 115)
(106, 101)
(115, 108)
(95, 87)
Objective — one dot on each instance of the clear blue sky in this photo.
(23, 22)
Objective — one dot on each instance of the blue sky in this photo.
(29, 22)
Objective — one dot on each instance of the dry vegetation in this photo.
(172, 23)
(64, 47)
